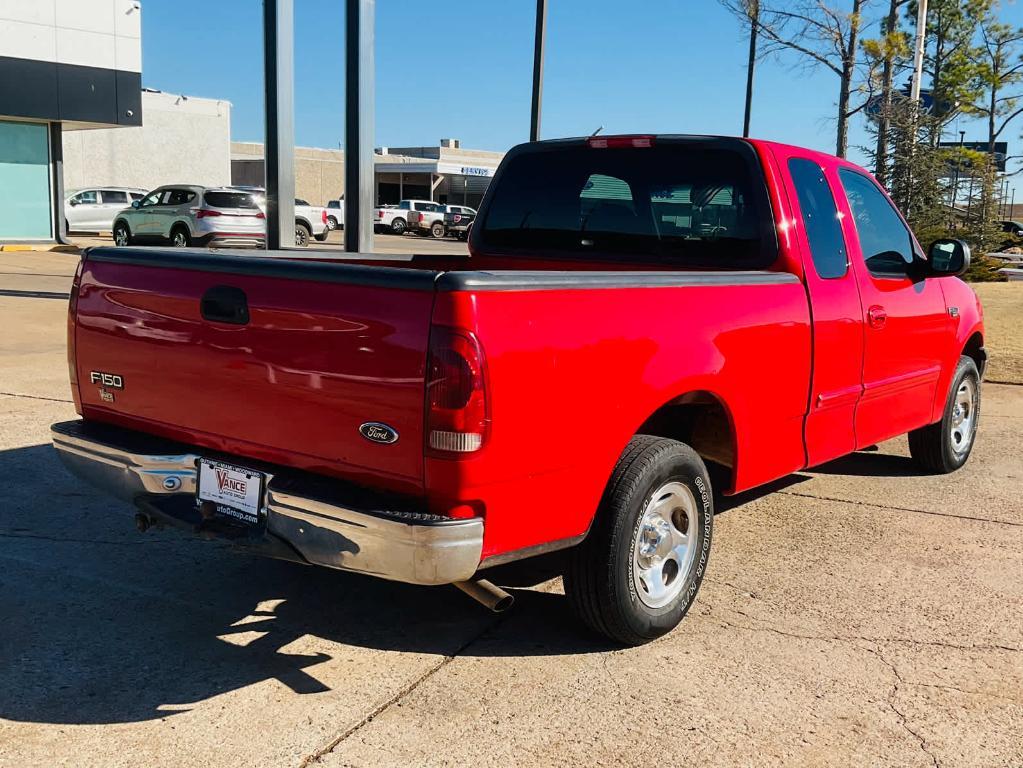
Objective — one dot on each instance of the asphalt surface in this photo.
(858, 614)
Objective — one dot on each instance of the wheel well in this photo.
(975, 349)
(701, 421)
(303, 223)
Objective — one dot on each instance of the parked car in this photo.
(645, 321)
(185, 215)
(424, 217)
(1014, 232)
(94, 209)
(459, 223)
(310, 220)
(336, 214)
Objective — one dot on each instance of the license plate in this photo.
(235, 492)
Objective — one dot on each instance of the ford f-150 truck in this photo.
(640, 320)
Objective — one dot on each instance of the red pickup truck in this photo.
(637, 316)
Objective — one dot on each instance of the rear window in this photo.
(229, 200)
(697, 204)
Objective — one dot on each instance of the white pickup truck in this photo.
(410, 215)
(310, 220)
(336, 213)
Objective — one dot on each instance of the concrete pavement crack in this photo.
(902, 509)
(36, 397)
(325, 750)
(903, 719)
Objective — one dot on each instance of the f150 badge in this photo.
(376, 432)
(106, 381)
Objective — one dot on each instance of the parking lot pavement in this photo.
(857, 614)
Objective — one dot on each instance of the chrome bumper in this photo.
(413, 547)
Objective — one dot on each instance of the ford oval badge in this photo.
(378, 433)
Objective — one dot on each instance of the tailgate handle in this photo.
(225, 304)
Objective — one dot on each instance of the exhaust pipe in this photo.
(490, 595)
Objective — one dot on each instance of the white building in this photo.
(65, 66)
(184, 140)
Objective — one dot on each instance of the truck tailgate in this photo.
(326, 348)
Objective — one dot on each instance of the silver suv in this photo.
(185, 215)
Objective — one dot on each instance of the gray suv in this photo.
(185, 215)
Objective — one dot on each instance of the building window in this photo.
(25, 205)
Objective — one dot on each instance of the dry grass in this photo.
(1003, 321)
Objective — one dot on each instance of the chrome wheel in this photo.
(301, 237)
(121, 235)
(179, 239)
(964, 416)
(665, 545)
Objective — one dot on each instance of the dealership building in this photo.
(66, 66)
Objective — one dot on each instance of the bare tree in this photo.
(824, 32)
(999, 75)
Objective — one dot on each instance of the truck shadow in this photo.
(102, 624)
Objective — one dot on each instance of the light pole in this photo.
(538, 52)
(955, 184)
(753, 9)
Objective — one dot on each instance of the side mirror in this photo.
(73, 202)
(949, 258)
(136, 203)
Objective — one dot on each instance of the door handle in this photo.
(225, 304)
(876, 317)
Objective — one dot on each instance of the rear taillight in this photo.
(617, 142)
(260, 215)
(457, 413)
(323, 215)
(205, 213)
(380, 214)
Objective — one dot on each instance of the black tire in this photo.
(941, 447)
(601, 578)
(331, 222)
(302, 235)
(398, 226)
(121, 234)
(179, 236)
(322, 236)
(437, 230)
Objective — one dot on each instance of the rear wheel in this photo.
(331, 222)
(639, 569)
(122, 235)
(437, 229)
(945, 446)
(302, 235)
(180, 237)
(398, 226)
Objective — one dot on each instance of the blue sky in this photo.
(463, 69)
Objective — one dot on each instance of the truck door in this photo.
(835, 311)
(905, 326)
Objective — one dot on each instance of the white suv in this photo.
(94, 209)
(185, 215)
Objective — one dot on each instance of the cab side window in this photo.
(886, 243)
(820, 218)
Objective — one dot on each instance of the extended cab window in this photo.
(885, 241)
(690, 203)
(820, 218)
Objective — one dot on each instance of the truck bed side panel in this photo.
(574, 372)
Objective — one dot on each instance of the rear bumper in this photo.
(234, 240)
(323, 521)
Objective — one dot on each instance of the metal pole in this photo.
(1012, 205)
(57, 183)
(279, 150)
(359, 125)
(538, 53)
(955, 184)
(754, 19)
(918, 54)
